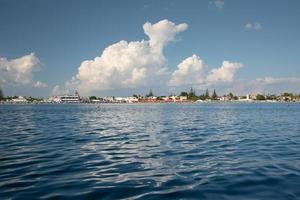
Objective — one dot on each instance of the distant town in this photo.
(182, 97)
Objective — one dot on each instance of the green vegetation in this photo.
(185, 94)
(150, 94)
(260, 97)
(287, 94)
(159, 98)
(206, 96)
(214, 95)
(1, 94)
(192, 95)
(33, 99)
(271, 97)
(92, 98)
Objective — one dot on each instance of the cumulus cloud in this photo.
(139, 64)
(70, 87)
(20, 70)
(190, 71)
(40, 84)
(129, 64)
(193, 71)
(57, 90)
(162, 32)
(253, 26)
(225, 73)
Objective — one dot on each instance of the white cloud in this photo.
(57, 90)
(276, 84)
(253, 26)
(162, 32)
(40, 84)
(225, 73)
(140, 64)
(272, 80)
(218, 3)
(190, 71)
(265, 85)
(20, 70)
(129, 64)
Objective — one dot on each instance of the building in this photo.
(69, 99)
(183, 98)
(132, 100)
(65, 99)
(109, 99)
(20, 99)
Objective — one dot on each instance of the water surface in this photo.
(150, 151)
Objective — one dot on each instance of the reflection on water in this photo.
(206, 151)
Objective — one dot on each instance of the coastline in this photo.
(151, 103)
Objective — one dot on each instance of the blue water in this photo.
(163, 151)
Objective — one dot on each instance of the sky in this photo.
(111, 47)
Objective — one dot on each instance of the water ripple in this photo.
(167, 151)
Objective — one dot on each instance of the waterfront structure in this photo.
(20, 99)
(132, 100)
(109, 99)
(69, 99)
(97, 100)
(65, 99)
(285, 97)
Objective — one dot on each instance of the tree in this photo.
(192, 92)
(214, 95)
(192, 95)
(1, 94)
(202, 97)
(287, 94)
(184, 94)
(260, 97)
(271, 97)
(206, 94)
(231, 96)
(150, 94)
(93, 97)
(159, 98)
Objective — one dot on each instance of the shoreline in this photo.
(145, 103)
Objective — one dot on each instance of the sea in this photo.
(150, 151)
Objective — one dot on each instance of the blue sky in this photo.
(62, 34)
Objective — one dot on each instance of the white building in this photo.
(109, 99)
(132, 99)
(20, 99)
(183, 98)
(69, 99)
